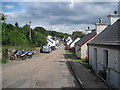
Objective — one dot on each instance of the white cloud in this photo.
(59, 16)
(9, 6)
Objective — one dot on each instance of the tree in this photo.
(16, 24)
(17, 36)
(41, 30)
(39, 39)
(26, 30)
(3, 17)
(77, 34)
(10, 27)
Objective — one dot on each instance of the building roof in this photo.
(109, 36)
(86, 38)
(74, 40)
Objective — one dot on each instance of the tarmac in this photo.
(86, 78)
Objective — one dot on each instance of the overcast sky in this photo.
(59, 16)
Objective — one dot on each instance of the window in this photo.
(106, 57)
(95, 58)
(79, 49)
(95, 54)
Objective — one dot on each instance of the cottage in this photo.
(104, 52)
(68, 41)
(81, 45)
(81, 49)
(72, 44)
(51, 42)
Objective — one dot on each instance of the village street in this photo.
(45, 70)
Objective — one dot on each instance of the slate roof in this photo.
(86, 38)
(109, 36)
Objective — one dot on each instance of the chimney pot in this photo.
(115, 12)
(88, 27)
(100, 20)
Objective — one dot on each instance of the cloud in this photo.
(9, 6)
(62, 16)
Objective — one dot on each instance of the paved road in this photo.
(42, 71)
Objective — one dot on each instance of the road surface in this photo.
(46, 70)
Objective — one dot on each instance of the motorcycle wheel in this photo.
(30, 56)
(24, 57)
(12, 57)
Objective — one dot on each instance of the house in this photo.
(68, 41)
(51, 42)
(72, 44)
(81, 49)
(81, 45)
(104, 52)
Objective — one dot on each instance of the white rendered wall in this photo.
(77, 53)
(112, 63)
(100, 28)
(113, 19)
(84, 50)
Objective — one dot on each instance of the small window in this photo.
(106, 57)
(95, 58)
(95, 54)
(79, 49)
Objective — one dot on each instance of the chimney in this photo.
(113, 17)
(88, 27)
(100, 20)
(115, 12)
(100, 26)
(88, 30)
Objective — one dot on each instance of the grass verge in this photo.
(69, 52)
(77, 60)
(4, 61)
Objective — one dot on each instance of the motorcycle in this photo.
(13, 57)
(29, 54)
(22, 55)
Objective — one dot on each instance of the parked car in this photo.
(53, 47)
(67, 47)
(46, 49)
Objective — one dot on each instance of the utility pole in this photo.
(30, 30)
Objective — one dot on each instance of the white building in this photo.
(104, 52)
(73, 42)
(51, 42)
(81, 50)
(68, 40)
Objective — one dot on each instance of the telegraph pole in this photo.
(30, 30)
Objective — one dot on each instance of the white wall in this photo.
(113, 19)
(77, 52)
(112, 63)
(100, 27)
(84, 51)
(70, 40)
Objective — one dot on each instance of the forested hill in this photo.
(14, 35)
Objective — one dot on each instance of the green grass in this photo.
(5, 61)
(70, 52)
(77, 60)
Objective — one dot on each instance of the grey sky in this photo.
(61, 16)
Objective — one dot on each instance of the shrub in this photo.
(103, 74)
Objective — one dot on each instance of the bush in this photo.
(103, 74)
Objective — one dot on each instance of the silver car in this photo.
(46, 48)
